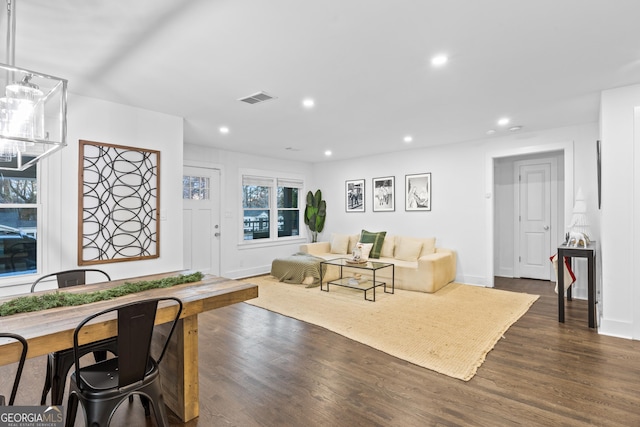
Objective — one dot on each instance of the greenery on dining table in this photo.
(65, 299)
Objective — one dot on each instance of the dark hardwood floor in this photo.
(258, 368)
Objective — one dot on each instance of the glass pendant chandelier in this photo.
(33, 110)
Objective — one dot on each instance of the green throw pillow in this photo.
(376, 238)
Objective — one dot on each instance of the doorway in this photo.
(536, 211)
(201, 219)
(530, 198)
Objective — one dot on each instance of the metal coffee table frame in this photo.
(369, 285)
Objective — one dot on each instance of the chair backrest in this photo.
(23, 357)
(135, 332)
(69, 278)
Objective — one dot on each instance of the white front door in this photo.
(534, 219)
(201, 216)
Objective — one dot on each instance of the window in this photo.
(18, 222)
(270, 207)
(288, 211)
(195, 188)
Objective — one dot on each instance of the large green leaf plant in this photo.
(315, 214)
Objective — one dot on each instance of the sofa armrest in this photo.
(316, 248)
(439, 268)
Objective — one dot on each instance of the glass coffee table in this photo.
(355, 282)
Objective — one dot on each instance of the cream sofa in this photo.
(419, 265)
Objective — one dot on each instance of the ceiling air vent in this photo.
(257, 97)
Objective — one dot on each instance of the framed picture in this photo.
(354, 195)
(418, 192)
(118, 203)
(384, 194)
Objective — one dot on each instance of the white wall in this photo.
(239, 259)
(101, 121)
(458, 217)
(620, 246)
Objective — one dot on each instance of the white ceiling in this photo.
(366, 63)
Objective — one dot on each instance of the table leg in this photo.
(374, 286)
(570, 288)
(592, 291)
(179, 370)
(560, 287)
(393, 281)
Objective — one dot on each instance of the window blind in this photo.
(259, 181)
(291, 183)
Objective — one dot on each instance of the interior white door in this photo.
(534, 220)
(201, 216)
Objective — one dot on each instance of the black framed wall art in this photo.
(418, 192)
(384, 194)
(354, 195)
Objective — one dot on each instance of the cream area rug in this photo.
(449, 332)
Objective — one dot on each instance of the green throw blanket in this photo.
(296, 268)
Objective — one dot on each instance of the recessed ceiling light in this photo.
(408, 139)
(491, 131)
(439, 60)
(515, 128)
(503, 121)
(308, 103)
(224, 130)
(327, 153)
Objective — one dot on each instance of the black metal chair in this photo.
(60, 362)
(103, 386)
(23, 358)
(69, 278)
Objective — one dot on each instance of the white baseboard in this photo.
(616, 328)
(474, 280)
(505, 272)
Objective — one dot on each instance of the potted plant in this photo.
(315, 214)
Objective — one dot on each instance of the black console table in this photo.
(588, 252)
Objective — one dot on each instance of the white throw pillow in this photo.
(365, 249)
(407, 249)
(339, 243)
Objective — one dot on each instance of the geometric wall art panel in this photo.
(118, 203)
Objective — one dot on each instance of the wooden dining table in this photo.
(51, 330)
